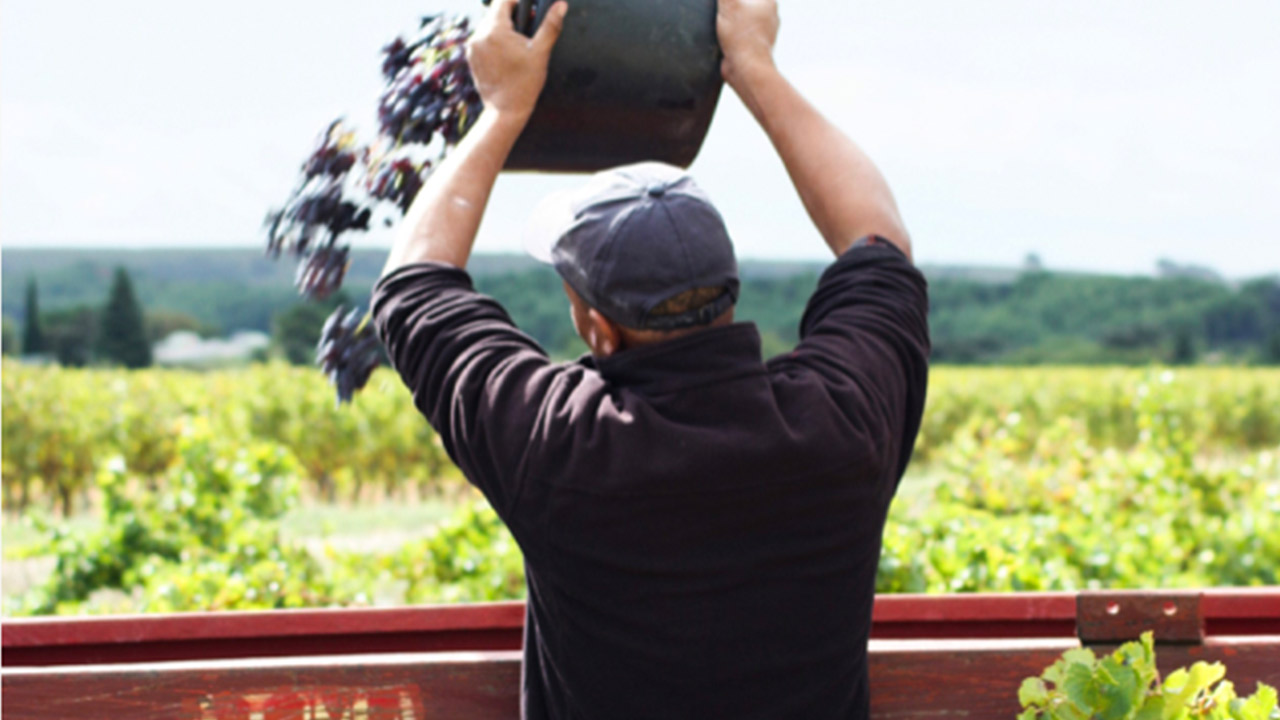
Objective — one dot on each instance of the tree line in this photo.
(1029, 317)
(114, 333)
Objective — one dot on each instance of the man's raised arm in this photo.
(509, 71)
(846, 196)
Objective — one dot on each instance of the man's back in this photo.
(711, 555)
(701, 528)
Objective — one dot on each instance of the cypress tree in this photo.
(1184, 347)
(8, 338)
(32, 334)
(123, 337)
(1272, 351)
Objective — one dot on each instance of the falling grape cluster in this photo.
(348, 351)
(397, 180)
(318, 213)
(429, 94)
(429, 86)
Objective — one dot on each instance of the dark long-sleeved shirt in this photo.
(701, 528)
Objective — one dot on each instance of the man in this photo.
(701, 529)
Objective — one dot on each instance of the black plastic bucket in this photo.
(629, 80)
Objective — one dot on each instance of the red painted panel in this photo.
(976, 607)
(195, 636)
(50, 641)
(1241, 611)
(464, 686)
(45, 631)
(267, 646)
(915, 678)
(974, 616)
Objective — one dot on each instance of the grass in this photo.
(18, 533)
(377, 519)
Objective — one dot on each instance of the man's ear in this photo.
(605, 338)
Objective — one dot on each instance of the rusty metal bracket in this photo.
(1117, 616)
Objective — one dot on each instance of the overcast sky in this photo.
(1101, 134)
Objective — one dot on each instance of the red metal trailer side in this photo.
(937, 655)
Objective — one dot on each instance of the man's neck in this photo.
(632, 338)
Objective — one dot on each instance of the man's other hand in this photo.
(748, 30)
(510, 69)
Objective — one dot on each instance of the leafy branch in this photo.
(1126, 685)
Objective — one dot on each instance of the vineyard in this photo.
(1024, 479)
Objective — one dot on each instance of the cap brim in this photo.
(550, 220)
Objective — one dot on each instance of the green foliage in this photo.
(296, 331)
(538, 305)
(976, 318)
(210, 541)
(123, 338)
(233, 289)
(1047, 479)
(1061, 318)
(469, 558)
(59, 425)
(1271, 353)
(8, 338)
(1184, 347)
(55, 426)
(70, 335)
(1218, 408)
(1125, 685)
(32, 336)
(1021, 506)
(162, 323)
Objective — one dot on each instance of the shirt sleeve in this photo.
(865, 333)
(477, 378)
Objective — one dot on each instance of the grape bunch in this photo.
(319, 212)
(319, 203)
(320, 274)
(429, 94)
(397, 180)
(348, 351)
(429, 85)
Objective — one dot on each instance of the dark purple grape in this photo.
(397, 58)
(320, 274)
(335, 152)
(429, 87)
(348, 351)
(397, 181)
(320, 210)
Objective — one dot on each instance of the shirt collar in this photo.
(708, 355)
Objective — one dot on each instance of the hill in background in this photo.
(978, 315)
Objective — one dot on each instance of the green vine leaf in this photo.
(1125, 685)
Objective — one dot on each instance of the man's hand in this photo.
(748, 30)
(510, 69)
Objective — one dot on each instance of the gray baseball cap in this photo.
(634, 237)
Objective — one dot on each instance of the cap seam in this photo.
(684, 250)
(650, 303)
(607, 253)
(692, 281)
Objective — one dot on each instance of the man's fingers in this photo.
(549, 31)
